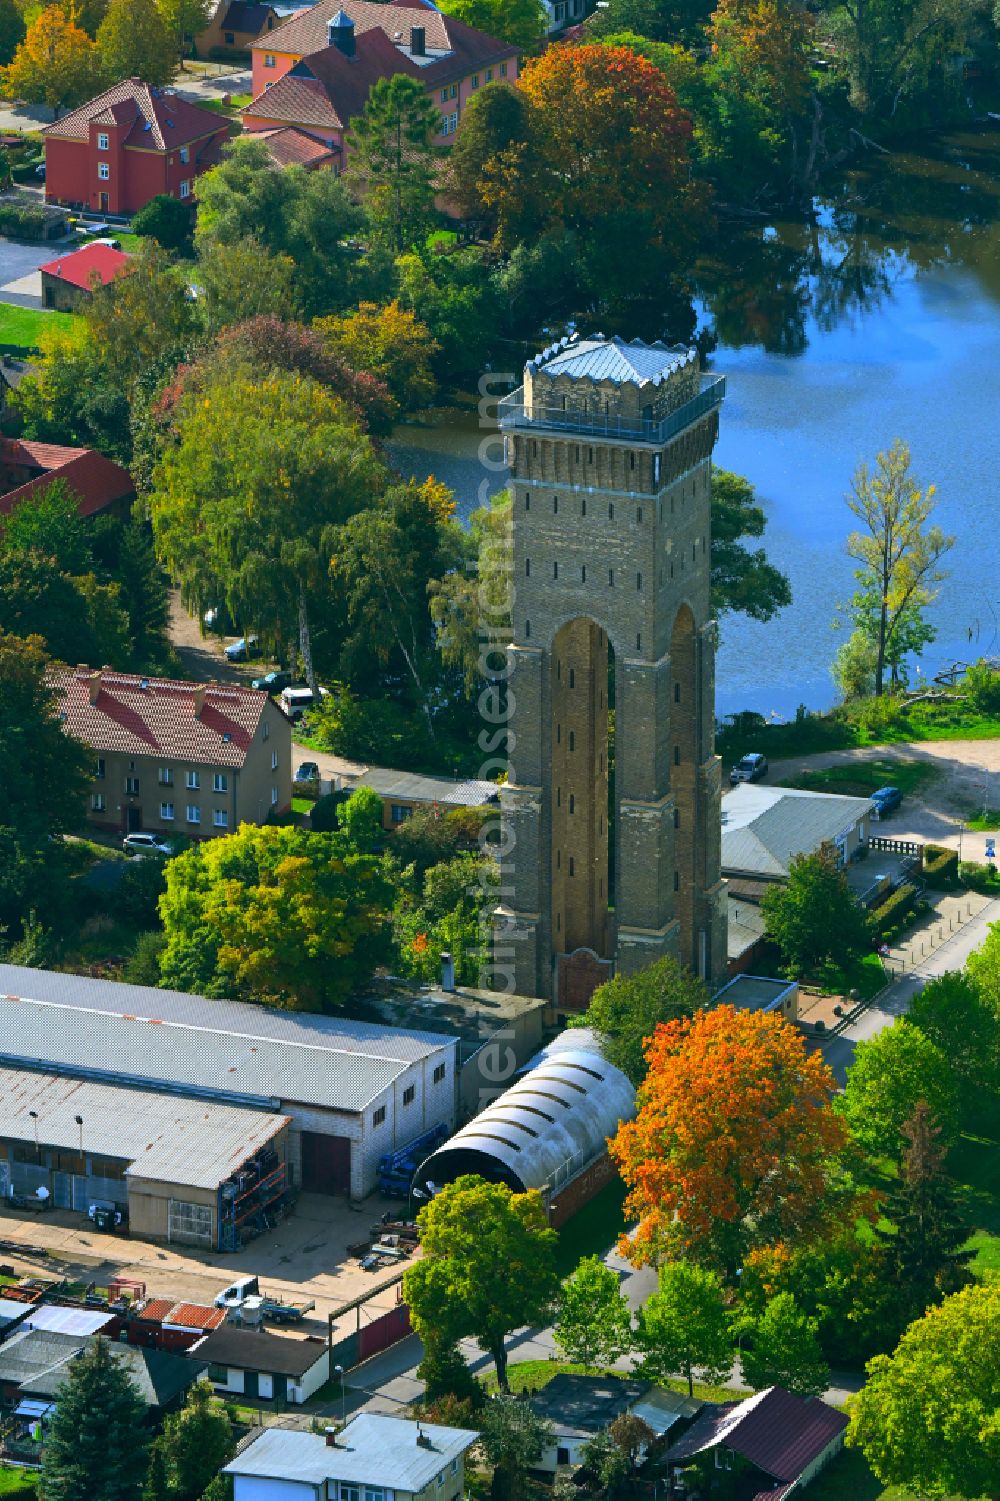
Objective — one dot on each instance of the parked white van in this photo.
(295, 701)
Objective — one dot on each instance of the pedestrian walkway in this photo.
(951, 914)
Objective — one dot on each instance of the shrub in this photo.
(165, 219)
(22, 221)
(323, 814)
(982, 685)
(143, 968)
(979, 877)
(890, 915)
(940, 867)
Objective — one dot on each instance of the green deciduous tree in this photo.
(305, 215)
(684, 1328)
(784, 1350)
(389, 343)
(165, 219)
(276, 915)
(134, 42)
(56, 64)
(814, 917)
(520, 22)
(196, 1442)
(184, 20)
(925, 1243)
(954, 1014)
(242, 280)
(473, 601)
(11, 30)
(513, 1438)
(594, 1324)
(899, 552)
(743, 581)
(360, 819)
(393, 160)
(626, 1011)
(495, 121)
(247, 502)
(96, 1445)
(382, 564)
(928, 1417)
(487, 1267)
(891, 1074)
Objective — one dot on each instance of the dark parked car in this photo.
(273, 682)
(306, 781)
(752, 768)
(243, 649)
(886, 800)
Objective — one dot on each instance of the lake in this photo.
(880, 320)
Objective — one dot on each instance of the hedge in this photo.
(940, 868)
(982, 878)
(890, 916)
(23, 221)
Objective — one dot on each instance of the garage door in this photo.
(326, 1163)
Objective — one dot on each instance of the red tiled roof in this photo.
(156, 716)
(776, 1431)
(162, 120)
(80, 267)
(290, 146)
(182, 1315)
(327, 89)
(96, 481)
(465, 47)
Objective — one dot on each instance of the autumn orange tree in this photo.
(57, 64)
(734, 1145)
(609, 166)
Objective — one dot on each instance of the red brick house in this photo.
(27, 468)
(129, 144)
(317, 70)
(70, 280)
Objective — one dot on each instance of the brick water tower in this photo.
(611, 823)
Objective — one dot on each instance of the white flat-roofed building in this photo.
(374, 1458)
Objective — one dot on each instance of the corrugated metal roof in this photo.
(554, 1120)
(372, 1450)
(225, 1047)
(59, 1320)
(764, 827)
(165, 1137)
(613, 359)
(778, 1432)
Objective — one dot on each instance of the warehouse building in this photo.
(349, 1092)
(188, 1171)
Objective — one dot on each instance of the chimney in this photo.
(94, 682)
(447, 971)
(199, 700)
(340, 33)
(330, 1435)
(418, 41)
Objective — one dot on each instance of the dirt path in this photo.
(202, 656)
(965, 778)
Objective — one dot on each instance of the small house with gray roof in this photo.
(764, 828)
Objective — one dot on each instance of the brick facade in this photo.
(611, 504)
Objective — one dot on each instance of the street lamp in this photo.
(79, 1121)
(339, 1371)
(34, 1117)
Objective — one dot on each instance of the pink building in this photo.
(317, 70)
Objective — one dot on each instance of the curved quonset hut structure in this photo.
(549, 1131)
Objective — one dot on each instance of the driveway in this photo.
(199, 86)
(20, 278)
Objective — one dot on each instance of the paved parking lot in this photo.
(305, 1258)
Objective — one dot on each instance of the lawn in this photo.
(17, 1482)
(531, 1375)
(865, 975)
(846, 729)
(861, 778)
(974, 1162)
(21, 327)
